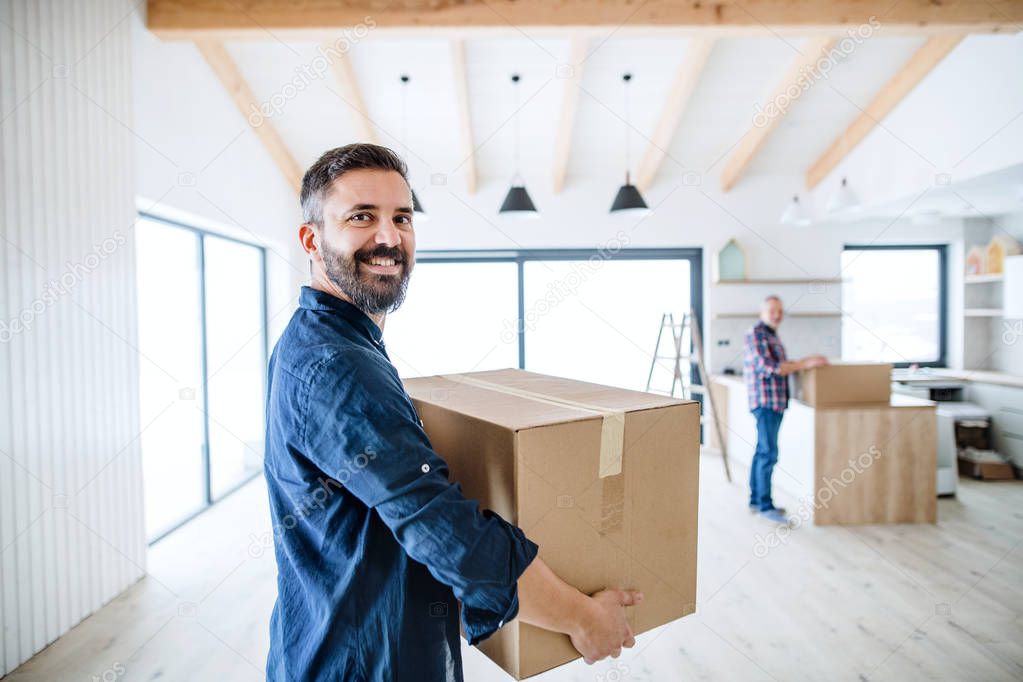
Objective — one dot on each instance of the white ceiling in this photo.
(739, 75)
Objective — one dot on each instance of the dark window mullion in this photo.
(207, 478)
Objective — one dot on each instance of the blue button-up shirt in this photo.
(374, 544)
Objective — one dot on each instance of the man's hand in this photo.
(603, 631)
(596, 624)
(811, 361)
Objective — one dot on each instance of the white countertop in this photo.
(897, 399)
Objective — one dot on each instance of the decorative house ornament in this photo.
(998, 249)
(975, 261)
(731, 262)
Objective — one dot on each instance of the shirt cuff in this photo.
(479, 623)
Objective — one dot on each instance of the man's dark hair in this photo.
(335, 163)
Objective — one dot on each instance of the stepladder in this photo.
(679, 359)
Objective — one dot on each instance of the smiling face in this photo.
(365, 249)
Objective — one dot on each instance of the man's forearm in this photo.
(547, 601)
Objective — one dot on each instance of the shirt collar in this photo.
(766, 326)
(314, 299)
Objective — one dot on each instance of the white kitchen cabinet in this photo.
(1005, 404)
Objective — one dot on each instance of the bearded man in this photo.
(380, 557)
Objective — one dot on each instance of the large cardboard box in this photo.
(604, 480)
(845, 383)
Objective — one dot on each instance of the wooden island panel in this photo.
(876, 464)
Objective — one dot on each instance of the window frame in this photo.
(942, 251)
(520, 256)
(201, 234)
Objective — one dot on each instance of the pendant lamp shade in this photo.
(517, 202)
(628, 201)
(794, 214)
(417, 208)
(844, 199)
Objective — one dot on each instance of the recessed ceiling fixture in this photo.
(417, 207)
(795, 214)
(628, 200)
(844, 199)
(517, 201)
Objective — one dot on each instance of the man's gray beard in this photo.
(381, 294)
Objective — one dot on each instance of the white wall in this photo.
(962, 121)
(197, 160)
(71, 527)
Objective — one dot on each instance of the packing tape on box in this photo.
(612, 428)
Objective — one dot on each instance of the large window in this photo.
(590, 315)
(894, 300)
(202, 367)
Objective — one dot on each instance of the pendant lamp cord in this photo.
(404, 112)
(625, 86)
(515, 123)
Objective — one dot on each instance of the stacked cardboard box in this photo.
(845, 383)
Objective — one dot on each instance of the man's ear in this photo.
(309, 240)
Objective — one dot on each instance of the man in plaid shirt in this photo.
(766, 369)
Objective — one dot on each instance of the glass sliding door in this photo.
(235, 357)
(170, 374)
(202, 345)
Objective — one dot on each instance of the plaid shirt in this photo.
(762, 357)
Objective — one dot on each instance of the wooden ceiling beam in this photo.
(223, 19)
(461, 76)
(351, 93)
(569, 104)
(894, 91)
(686, 78)
(230, 77)
(780, 103)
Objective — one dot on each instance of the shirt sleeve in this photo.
(361, 429)
(760, 350)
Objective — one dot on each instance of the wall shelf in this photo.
(983, 279)
(740, 316)
(982, 312)
(795, 280)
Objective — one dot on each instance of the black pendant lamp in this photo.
(628, 201)
(517, 202)
(417, 206)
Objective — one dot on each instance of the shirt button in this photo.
(500, 624)
(425, 468)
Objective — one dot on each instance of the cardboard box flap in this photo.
(514, 411)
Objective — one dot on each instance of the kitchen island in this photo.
(853, 464)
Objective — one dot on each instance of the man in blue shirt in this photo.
(378, 552)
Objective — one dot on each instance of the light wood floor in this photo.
(874, 603)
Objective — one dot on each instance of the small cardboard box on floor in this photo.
(603, 479)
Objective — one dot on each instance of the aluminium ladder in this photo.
(687, 355)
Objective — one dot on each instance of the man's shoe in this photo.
(755, 509)
(775, 515)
